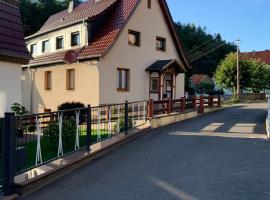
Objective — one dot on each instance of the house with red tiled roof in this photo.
(197, 79)
(13, 54)
(102, 52)
(262, 56)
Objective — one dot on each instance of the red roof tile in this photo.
(262, 56)
(197, 79)
(11, 33)
(108, 34)
(84, 11)
(50, 58)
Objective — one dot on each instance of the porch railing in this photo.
(183, 105)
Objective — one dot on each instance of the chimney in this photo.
(254, 53)
(72, 5)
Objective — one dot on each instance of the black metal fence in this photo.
(42, 138)
(33, 140)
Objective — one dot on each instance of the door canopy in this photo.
(162, 66)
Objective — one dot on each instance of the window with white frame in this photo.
(75, 39)
(33, 49)
(45, 46)
(123, 77)
(161, 44)
(154, 84)
(134, 38)
(59, 42)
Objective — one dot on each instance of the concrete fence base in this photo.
(163, 120)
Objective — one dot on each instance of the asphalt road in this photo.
(174, 163)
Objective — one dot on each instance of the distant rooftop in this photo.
(262, 56)
(197, 79)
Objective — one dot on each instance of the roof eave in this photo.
(165, 9)
(13, 59)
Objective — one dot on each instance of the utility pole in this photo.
(238, 69)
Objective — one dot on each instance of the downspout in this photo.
(31, 88)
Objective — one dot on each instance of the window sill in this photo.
(78, 45)
(160, 50)
(134, 45)
(122, 90)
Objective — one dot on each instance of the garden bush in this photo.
(122, 124)
(71, 114)
(68, 132)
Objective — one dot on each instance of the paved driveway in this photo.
(207, 158)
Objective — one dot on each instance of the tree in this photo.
(254, 75)
(192, 37)
(35, 13)
(207, 87)
(259, 76)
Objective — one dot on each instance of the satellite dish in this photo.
(70, 57)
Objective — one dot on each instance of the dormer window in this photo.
(75, 39)
(45, 46)
(33, 49)
(59, 43)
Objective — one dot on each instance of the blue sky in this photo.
(244, 19)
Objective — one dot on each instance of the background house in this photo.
(202, 83)
(262, 56)
(103, 52)
(13, 53)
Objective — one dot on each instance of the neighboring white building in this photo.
(13, 54)
(103, 52)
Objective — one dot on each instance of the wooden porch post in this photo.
(150, 108)
(160, 94)
(201, 109)
(219, 100)
(195, 102)
(174, 86)
(183, 104)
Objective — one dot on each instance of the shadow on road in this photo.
(242, 119)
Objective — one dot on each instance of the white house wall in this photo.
(65, 32)
(10, 85)
(150, 23)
